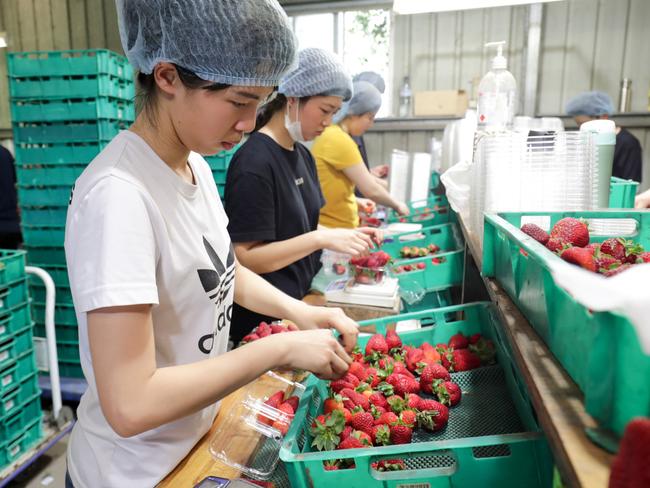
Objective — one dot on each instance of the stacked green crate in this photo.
(219, 165)
(20, 406)
(65, 108)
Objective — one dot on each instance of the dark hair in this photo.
(147, 91)
(270, 109)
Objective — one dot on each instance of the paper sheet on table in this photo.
(627, 293)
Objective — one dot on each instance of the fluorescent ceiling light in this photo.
(405, 7)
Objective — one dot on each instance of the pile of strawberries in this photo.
(418, 252)
(264, 330)
(393, 389)
(370, 268)
(569, 238)
(285, 409)
(407, 268)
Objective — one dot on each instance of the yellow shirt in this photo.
(334, 150)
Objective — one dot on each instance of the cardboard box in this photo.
(440, 103)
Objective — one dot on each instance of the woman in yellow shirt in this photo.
(340, 165)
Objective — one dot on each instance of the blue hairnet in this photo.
(371, 77)
(234, 42)
(318, 73)
(592, 103)
(366, 99)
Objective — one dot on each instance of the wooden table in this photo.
(557, 400)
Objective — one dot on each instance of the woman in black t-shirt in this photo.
(272, 193)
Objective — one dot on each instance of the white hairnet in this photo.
(366, 99)
(592, 103)
(234, 42)
(318, 73)
(371, 77)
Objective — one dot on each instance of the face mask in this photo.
(294, 128)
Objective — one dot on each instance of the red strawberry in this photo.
(338, 385)
(400, 368)
(350, 378)
(460, 360)
(434, 416)
(347, 415)
(614, 248)
(437, 260)
(380, 435)
(263, 330)
(433, 248)
(392, 339)
(351, 443)
(389, 465)
(571, 231)
(276, 399)
(293, 401)
(339, 269)
(400, 434)
(407, 268)
(619, 270)
(431, 374)
(373, 377)
(325, 430)
(378, 400)
(378, 411)
(630, 468)
(287, 408)
(278, 329)
(458, 341)
(376, 344)
(485, 350)
(413, 401)
(555, 245)
(408, 417)
(593, 247)
(387, 418)
(605, 263)
(363, 436)
(536, 232)
(362, 421)
(645, 257)
(448, 392)
(403, 384)
(579, 256)
(250, 338)
(474, 338)
(346, 432)
(431, 355)
(333, 403)
(356, 399)
(331, 465)
(413, 357)
(420, 265)
(357, 369)
(397, 403)
(281, 426)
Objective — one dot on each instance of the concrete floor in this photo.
(48, 471)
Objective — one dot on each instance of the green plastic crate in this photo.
(44, 216)
(70, 369)
(219, 176)
(63, 313)
(69, 110)
(37, 236)
(12, 266)
(11, 400)
(31, 64)
(57, 132)
(87, 86)
(60, 276)
(81, 153)
(13, 294)
(435, 275)
(37, 290)
(58, 175)
(435, 180)
(492, 438)
(446, 236)
(599, 350)
(64, 333)
(12, 347)
(221, 190)
(622, 193)
(68, 351)
(51, 256)
(432, 299)
(432, 211)
(21, 443)
(13, 372)
(11, 425)
(14, 319)
(44, 196)
(221, 160)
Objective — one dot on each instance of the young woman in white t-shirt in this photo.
(152, 270)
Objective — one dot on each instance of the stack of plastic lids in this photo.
(529, 171)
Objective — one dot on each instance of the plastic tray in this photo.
(12, 399)
(12, 266)
(64, 333)
(70, 369)
(60, 276)
(424, 212)
(12, 347)
(221, 160)
(67, 351)
(63, 313)
(82, 86)
(13, 294)
(68, 63)
(622, 193)
(37, 291)
(59, 175)
(37, 236)
(44, 196)
(45, 216)
(219, 176)
(599, 350)
(22, 441)
(15, 423)
(492, 438)
(14, 319)
(57, 132)
(13, 373)
(81, 153)
(69, 110)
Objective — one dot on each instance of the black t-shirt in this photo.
(628, 163)
(9, 223)
(273, 194)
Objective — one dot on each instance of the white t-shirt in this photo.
(137, 233)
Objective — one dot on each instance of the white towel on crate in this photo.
(627, 293)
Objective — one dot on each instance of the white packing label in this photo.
(9, 405)
(3, 329)
(4, 355)
(7, 380)
(15, 450)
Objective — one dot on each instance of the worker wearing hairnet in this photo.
(150, 262)
(340, 165)
(628, 161)
(273, 197)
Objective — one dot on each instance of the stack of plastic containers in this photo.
(65, 107)
(20, 405)
(219, 165)
(515, 171)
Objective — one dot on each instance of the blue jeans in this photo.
(68, 481)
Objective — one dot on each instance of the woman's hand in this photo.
(380, 171)
(347, 241)
(377, 235)
(366, 205)
(642, 200)
(309, 317)
(402, 208)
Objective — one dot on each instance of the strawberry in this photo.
(347, 415)
(400, 433)
(281, 426)
(400, 368)
(331, 465)
(458, 341)
(287, 408)
(357, 369)
(278, 329)
(630, 468)
(556, 245)
(376, 344)
(392, 339)
(275, 400)
(396, 403)
(619, 270)
(433, 248)
(536, 232)
(412, 401)
(263, 330)
(408, 416)
(413, 357)
(460, 360)
(364, 437)
(333, 403)
(362, 421)
(325, 431)
(645, 257)
(431, 355)
(249, 338)
(356, 398)
(350, 378)
(605, 263)
(386, 418)
(448, 392)
(594, 247)
(293, 401)
(431, 374)
(338, 385)
(434, 416)
(346, 432)
(614, 248)
(435, 261)
(579, 256)
(403, 384)
(378, 400)
(339, 269)
(373, 377)
(632, 252)
(378, 411)
(485, 350)
(389, 465)
(407, 268)
(420, 265)
(351, 443)
(571, 231)
(474, 338)
(380, 435)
